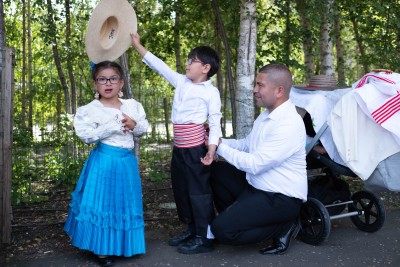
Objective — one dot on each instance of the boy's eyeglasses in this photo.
(104, 80)
(190, 61)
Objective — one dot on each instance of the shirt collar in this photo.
(205, 83)
(278, 112)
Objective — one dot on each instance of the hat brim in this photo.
(109, 29)
(315, 88)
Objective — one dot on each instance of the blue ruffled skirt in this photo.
(106, 211)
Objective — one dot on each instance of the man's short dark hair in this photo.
(279, 74)
(207, 55)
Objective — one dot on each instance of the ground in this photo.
(38, 228)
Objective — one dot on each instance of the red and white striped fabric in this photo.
(378, 95)
(189, 135)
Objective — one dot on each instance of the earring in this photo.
(97, 95)
(120, 94)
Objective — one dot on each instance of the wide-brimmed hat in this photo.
(109, 28)
(320, 82)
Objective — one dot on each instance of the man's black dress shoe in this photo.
(281, 245)
(177, 240)
(105, 262)
(196, 245)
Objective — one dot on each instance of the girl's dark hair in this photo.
(207, 55)
(105, 65)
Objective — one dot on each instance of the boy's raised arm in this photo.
(138, 46)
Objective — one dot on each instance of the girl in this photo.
(106, 212)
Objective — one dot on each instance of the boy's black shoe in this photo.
(196, 245)
(182, 238)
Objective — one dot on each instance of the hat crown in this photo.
(109, 32)
(109, 28)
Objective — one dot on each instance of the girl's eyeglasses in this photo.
(104, 80)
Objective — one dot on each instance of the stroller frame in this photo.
(365, 210)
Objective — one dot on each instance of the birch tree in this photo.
(245, 67)
(326, 41)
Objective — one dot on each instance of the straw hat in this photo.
(320, 82)
(109, 28)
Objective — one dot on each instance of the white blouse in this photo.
(95, 123)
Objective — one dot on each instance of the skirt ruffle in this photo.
(106, 211)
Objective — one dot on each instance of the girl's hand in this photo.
(129, 124)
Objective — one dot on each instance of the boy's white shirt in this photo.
(193, 102)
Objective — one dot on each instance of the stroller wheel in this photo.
(371, 211)
(314, 221)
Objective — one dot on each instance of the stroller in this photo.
(329, 195)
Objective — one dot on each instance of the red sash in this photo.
(189, 135)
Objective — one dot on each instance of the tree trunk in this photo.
(245, 67)
(57, 61)
(2, 29)
(339, 50)
(358, 39)
(166, 118)
(31, 88)
(228, 65)
(177, 38)
(70, 60)
(326, 43)
(23, 74)
(308, 43)
(127, 89)
(220, 81)
(287, 39)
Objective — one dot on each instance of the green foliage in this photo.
(155, 155)
(41, 161)
(51, 154)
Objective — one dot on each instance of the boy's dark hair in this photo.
(105, 65)
(207, 55)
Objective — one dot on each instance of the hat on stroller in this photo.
(320, 82)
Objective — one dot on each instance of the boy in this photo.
(195, 101)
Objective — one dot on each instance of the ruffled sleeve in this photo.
(93, 124)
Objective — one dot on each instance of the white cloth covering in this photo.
(378, 95)
(360, 142)
(386, 176)
(319, 104)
